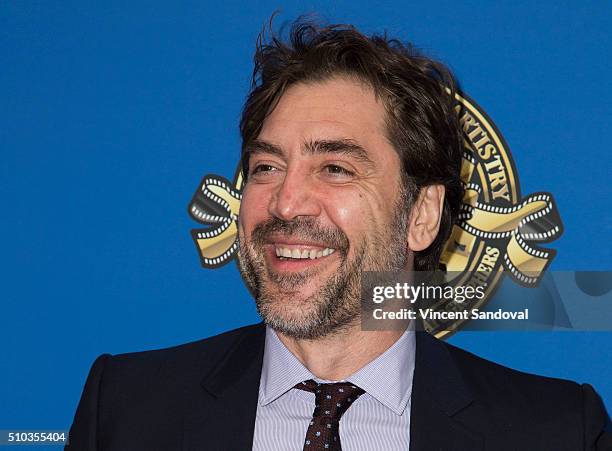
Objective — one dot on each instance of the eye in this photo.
(338, 171)
(262, 169)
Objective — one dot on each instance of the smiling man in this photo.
(351, 159)
(324, 201)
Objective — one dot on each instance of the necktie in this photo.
(331, 401)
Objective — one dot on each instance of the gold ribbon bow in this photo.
(216, 203)
(534, 219)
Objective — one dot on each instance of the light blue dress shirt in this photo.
(378, 420)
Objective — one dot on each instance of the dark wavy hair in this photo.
(418, 94)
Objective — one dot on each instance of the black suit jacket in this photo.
(203, 396)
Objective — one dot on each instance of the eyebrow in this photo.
(347, 147)
(258, 146)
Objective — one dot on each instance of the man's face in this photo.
(322, 203)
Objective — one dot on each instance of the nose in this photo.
(294, 196)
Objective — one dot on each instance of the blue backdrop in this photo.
(111, 113)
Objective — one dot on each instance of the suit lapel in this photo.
(439, 394)
(222, 414)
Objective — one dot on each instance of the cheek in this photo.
(351, 212)
(253, 209)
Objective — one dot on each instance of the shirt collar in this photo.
(387, 378)
(281, 370)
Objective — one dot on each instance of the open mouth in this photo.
(287, 253)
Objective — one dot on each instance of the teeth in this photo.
(306, 253)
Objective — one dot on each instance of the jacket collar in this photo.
(439, 396)
(222, 415)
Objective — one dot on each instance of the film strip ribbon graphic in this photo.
(216, 203)
(533, 220)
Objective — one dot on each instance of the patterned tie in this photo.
(331, 401)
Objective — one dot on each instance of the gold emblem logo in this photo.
(497, 229)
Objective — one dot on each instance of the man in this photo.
(351, 158)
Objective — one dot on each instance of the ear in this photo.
(424, 222)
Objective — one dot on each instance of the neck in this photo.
(338, 356)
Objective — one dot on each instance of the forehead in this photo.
(339, 108)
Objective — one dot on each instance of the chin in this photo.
(288, 317)
(288, 304)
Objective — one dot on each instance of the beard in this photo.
(336, 305)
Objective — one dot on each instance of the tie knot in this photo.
(331, 400)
